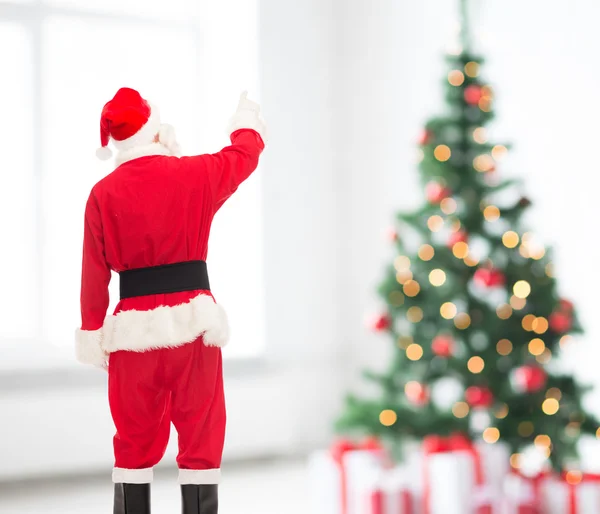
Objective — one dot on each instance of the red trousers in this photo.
(149, 390)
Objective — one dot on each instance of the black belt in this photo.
(170, 278)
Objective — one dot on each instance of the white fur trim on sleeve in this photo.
(248, 119)
(88, 347)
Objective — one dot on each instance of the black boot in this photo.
(132, 499)
(199, 499)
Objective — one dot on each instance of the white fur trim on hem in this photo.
(88, 347)
(199, 476)
(167, 327)
(247, 119)
(141, 151)
(132, 476)
(143, 136)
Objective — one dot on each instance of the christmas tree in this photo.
(472, 304)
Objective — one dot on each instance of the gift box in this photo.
(341, 477)
(392, 494)
(462, 477)
(572, 493)
(522, 494)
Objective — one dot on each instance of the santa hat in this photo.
(128, 120)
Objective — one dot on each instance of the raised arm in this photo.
(227, 169)
(95, 277)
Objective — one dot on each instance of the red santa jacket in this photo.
(156, 209)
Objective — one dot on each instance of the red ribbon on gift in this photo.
(378, 497)
(572, 488)
(454, 443)
(338, 450)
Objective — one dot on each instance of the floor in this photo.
(266, 488)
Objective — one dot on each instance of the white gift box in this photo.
(328, 483)
(559, 497)
(452, 483)
(519, 496)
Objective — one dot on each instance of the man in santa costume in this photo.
(149, 220)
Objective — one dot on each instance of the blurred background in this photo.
(345, 87)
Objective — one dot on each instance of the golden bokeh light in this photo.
(528, 322)
(598, 433)
(549, 270)
(448, 205)
(411, 288)
(472, 69)
(540, 325)
(504, 311)
(435, 223)
(565, 340)
(536, 346)
(448, 310)
(510, 239)
(524, 251)
(550, 406)
(480, 135)
(405, 341)
(485, 103)
(521, 289)
(426, 252)
(517, 303)
(414, 314)
(396, 298)
(455, 225)
(461, 410)
(491, 435)
(437, 277)
(504, 347)
(487, 91)
(545, 357)
(460, 250)
(542, 441)
(491, 213)
(414, 352)
(502, 411)
(388, 417)
(573, 477)
(442, 153)
(483, 163)
(471, 261)
(462, 321)
(537, 253)
(475, 365)
(456, 77)
(499, 151)
(402, 277)
(554, 392)
(525, 428)
(401, 263)
(515, 460)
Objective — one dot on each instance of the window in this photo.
(67, 58)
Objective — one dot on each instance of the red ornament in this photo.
(425, 137)
(566, 305)
(477, 396)
(393, 235)
(435, 192)
(473, 94)
(457, 237)
(416, 393)
(560, 322)
(381, 323)
(443, 346)
(489, 277)
(530, 379)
